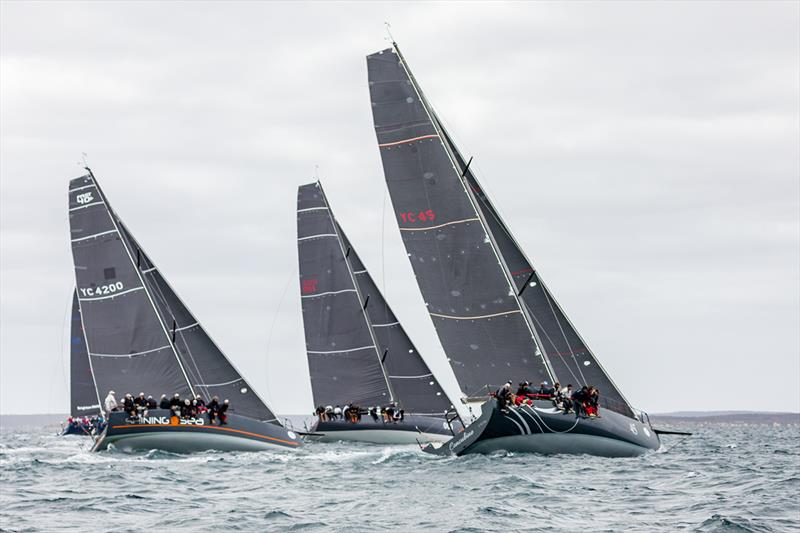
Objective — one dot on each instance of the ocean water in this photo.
(725, 478)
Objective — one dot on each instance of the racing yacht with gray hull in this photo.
(495, 317)
(140, 336)
(358, 352)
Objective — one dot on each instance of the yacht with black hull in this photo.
(358, 353)
(140, 337)
(496, 319)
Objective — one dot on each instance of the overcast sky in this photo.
(645, 155)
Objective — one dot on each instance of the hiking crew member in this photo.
(175, 403)
(213, 409)
(151, 403)
(111, 402)
(164, 403)
(223, 412)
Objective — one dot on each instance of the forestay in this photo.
(140, 335)
(469, 295)
(410, 379)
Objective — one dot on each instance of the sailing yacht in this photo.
(138, 335)
(358, 352)
(496, 319)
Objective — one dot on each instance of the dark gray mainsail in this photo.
(84, 400)
(424, 170)
(343, 359)
(478, 317)
(328, 258)
(140, 335)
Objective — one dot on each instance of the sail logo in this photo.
(87, 407)
(84, 198)
(461, 440)
(159, 420)
(102, 289)
(309, 286)
(192, 421)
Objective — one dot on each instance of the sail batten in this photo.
(355, 338)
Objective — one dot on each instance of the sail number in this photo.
(422, 216)
(111, 288)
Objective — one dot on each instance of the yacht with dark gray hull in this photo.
(359, 355)
(160, 429)
(495, 317)
(139, 336)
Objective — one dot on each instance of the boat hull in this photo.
(413, 429)
(158, 430)
(540, 428)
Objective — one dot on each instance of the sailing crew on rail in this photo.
(213, 408)
(504, 395)
(223, 412)
(175, 403)
(164, 403)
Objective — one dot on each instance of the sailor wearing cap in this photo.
(110, 402)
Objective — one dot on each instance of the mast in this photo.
(461, 172)
(112, 215)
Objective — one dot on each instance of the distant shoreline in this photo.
(678, 417)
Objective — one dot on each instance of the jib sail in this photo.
(84, 400)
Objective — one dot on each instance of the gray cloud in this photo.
(646, 155)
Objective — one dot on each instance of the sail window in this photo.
(109, 273)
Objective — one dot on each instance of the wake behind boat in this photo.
(495, 317)
(359, 355)
(140, 336)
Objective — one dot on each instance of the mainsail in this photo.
(464, 256)
(140, 335)
(357, 349)
(83, 394)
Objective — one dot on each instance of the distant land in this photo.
(677, 417)
(726, 417)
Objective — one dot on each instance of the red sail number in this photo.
(421, 216)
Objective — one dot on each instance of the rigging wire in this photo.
(272, 329)
(64, 378)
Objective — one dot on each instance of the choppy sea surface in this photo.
(724, 478)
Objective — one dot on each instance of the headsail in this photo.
(481, 323)
(565, 349)
(84, 398)
(140, 335)
(409, 377)
(403, 122)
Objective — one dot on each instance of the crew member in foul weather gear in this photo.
(175, 403)
(503, 395)
(579, 398)
(128, 405)
(593, 402)
(140, 402)
(111, 402)
(337, 413)
(223, 412)
(164, 403)
(213, 409)
(151, 403)
(201, 404)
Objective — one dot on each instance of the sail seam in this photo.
(315, 236)
(307, 209)
(218, 384)
(326, 293)
(129, 354)
(421, 137)
(95, 235)
(85, 206)
(371, 347)
(110, 295)
(83, 187)
(412, 377)
(442, 225)
(513, 311)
